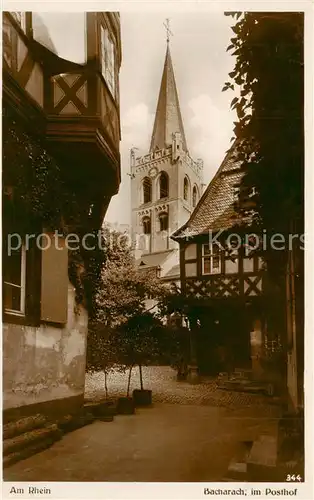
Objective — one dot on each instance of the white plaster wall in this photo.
(46, 362)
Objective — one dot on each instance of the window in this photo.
(20, 18)
(194, 196)
(211, 259)
(146, 225)
(163, 221)
(147, 190)
(163, 185)
(107, 59)
(242, 194)
(236, 193)
(186, 189)
(14, 273)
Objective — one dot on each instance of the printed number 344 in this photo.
(293, 477)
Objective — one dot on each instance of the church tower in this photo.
(166, 183)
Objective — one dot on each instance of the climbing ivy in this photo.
(37, 197)
(268, 79)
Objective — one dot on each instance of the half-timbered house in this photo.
(60, 119)
(223, 279)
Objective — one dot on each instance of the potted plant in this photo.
(123, 362)
(101, 357)
(138, 345)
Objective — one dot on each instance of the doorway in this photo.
(223, 340)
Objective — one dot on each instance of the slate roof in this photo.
(215, 210)
(168, 119)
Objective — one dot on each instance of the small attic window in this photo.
(236, 193)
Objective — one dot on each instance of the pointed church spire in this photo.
(168, 119)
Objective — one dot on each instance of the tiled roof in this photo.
(215, 210)
(152, 260)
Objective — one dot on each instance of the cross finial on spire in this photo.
(168, 31)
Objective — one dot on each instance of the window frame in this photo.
(163, 216)
(165, 193)
(108, 64)
(22, 311)
(147, 181)
(210, 256)
(236, 190)
(194, 196)
(147, 220)
(186, 189)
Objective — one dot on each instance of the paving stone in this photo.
(166, 389)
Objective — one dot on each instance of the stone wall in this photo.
(45, 363)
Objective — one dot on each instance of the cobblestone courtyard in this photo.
(191, 433)
(162, 381)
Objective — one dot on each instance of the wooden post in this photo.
(193, 371)
(292, 375)
(256, 342)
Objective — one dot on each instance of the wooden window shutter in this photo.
(54, 279)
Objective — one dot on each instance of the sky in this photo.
(201, 66)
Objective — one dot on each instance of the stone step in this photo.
(31, 435)
(242, 385)
(70, 423)
(18, 427)
(237, 470)
(37, 447)
(101, 409)
(242, 373)
(22, 441)
(262, 460)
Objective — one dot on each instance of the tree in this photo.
(269, 133)
(137, 342)
(269, 73)
(120, 302)
(124, 291)
(101, 355)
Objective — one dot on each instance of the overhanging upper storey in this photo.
(73, 103)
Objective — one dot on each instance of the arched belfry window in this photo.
(163, 185)
(163, 222)
(147, 190)
(194, 196)
(146, 225)
(186, 189)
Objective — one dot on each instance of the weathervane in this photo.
(168, 30)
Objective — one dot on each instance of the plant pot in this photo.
(106, 418)
(125, 406)
(142, 397)
(104, 409)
